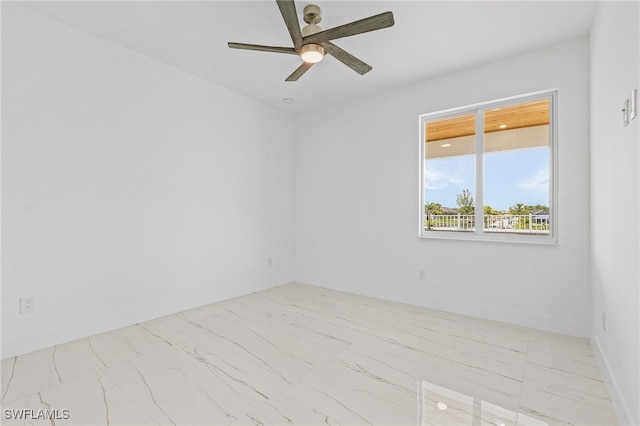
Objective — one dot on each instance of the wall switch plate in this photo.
(27, 305)
(633, 104)
(269, 262)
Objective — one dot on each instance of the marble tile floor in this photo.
(297, 354)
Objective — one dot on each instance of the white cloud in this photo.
(436, 179)
(537, 182)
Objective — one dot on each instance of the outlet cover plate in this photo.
(27, 305)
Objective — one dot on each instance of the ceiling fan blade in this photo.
(372, 23)
(275, 49)
(298, 73)
(290, 16)
(346, 58)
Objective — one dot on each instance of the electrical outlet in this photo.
(27, 305)
(604, 321)
(422, 275)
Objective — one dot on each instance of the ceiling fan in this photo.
(312, 43)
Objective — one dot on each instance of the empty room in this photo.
(334, 212)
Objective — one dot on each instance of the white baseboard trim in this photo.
(44, 338)
(494, 313)
(625, 416)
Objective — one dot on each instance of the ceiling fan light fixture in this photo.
(310, 29)
(312, 53)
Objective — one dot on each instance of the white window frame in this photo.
(478, 234)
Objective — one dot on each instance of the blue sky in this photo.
(510, 177)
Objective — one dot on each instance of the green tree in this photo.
(490, 210)
(433, 208)
(465, 202)
(539, 207)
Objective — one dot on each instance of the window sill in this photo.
(489, 238)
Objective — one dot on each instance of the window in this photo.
(487, 171)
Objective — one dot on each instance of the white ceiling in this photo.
(428, 39)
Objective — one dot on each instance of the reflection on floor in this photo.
(297, 354)
(443, 406)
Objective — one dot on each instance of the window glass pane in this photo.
(449, 174)
(516, 169)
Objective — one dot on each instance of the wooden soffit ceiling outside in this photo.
(506, 118)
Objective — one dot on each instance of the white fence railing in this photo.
(504, 223)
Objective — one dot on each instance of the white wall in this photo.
(357, 201)
(615, 189)
(130, 189)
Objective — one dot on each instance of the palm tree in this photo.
(518, 209)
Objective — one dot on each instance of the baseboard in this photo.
(625, 416)
(494, 313)
(44, 338)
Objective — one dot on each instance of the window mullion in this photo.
(479, 209)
